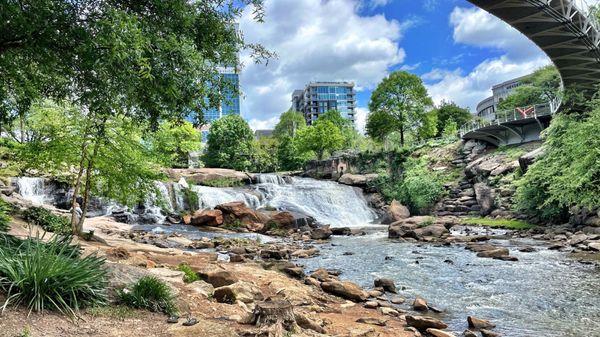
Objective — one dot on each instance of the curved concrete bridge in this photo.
(570, 37)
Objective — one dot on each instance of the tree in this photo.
(110, 162)
(540, 87)
(263, 159)
(289, 123)
(323, 136)
(427, 125)
(173, 142)
(149, 61)
(380, 124)
(230, 144)
(289, 156)
(404, 98)
(449, 112)
(345, 125)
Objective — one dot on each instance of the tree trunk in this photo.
(76, 188)
(275, 318)
(88, 186)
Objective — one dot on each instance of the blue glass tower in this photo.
(229, 105)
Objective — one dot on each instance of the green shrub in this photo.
(222, 182)
(567, 175)
(498, 223)
(47, 220)
(420, 188)
(5, 209)
(50, 275)
(149, 293)
(189, 275)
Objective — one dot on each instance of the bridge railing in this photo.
(506, 116)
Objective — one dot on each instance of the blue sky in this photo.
(460, 51)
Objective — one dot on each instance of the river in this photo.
(544, 294)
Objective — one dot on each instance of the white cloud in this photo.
(478, 28)
(263, 124)
(315, 40)
(360, 119)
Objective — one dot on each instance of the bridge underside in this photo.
(510, 133)
(561, 30)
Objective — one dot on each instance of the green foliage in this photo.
(540, 87)
(50, 222)
(428, 125)
(173, 142)
(417, 187)
(404, 99)
(5, 210)
(189, 274)
(498, 223)
(421, 188)
(230, 144)
(191, 199)
(450, 117)
(289, 156)
(323, 136)
(50, 275)
(154, 60)
(149, 293)
(222, 182)
(289, 123)
(567, 175)
(263, 158)
(345, 125)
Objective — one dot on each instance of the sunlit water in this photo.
(543, 294)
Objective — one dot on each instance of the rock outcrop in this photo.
(359, 180)
(202, 176)
(395, 212)
(347, 290)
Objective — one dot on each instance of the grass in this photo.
(222, 182)
(498, 223)
(118, 312)
(511, 152)
(189, 275)
(50, 275)
(149, 293)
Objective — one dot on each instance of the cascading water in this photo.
(32, 189)
(327, 201)
(210, 197)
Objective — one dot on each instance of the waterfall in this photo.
(32, 189)
(209, 197)
(270, 179)
(327, 201)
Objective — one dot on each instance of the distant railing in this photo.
(505, 116)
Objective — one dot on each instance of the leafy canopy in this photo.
(323, 136)
(540, 87)
(450, 116)
(289, 123)
(230, 144)
(173, 142)
(403, 97)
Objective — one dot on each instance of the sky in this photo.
(458, 50)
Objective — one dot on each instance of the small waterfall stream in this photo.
(32, 189)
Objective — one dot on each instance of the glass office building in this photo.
(320, 97)
(230, 104)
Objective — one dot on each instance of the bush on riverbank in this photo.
(5, 209)
(149, 293)
(50, 275)
(498, 223)
(567, 175)
(50, 222)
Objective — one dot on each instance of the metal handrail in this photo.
(505, 116)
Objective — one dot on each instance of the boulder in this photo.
(295, 272)
(594, 246)
(203, 288)
(385, 283)
(485, 198)
(423, 323)
(488, 333)
(347, 290)
(420, 304)
(207, 217)
(371, 305)
(221, 278)
(389, 311)
(341, 231)
(372, 321)
(396, 212)
(398, 300)
(283, 219)
(237, 210)
(321, 233)
(530, 157)
(239, 291)
(435, 230)
(469, 333)
(577, 239)
(360, 180)
(439, 333)
(478, 323)
(322, 275)
(202, 176)
(494, 253)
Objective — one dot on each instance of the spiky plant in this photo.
(149, 293)
(50, 275)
